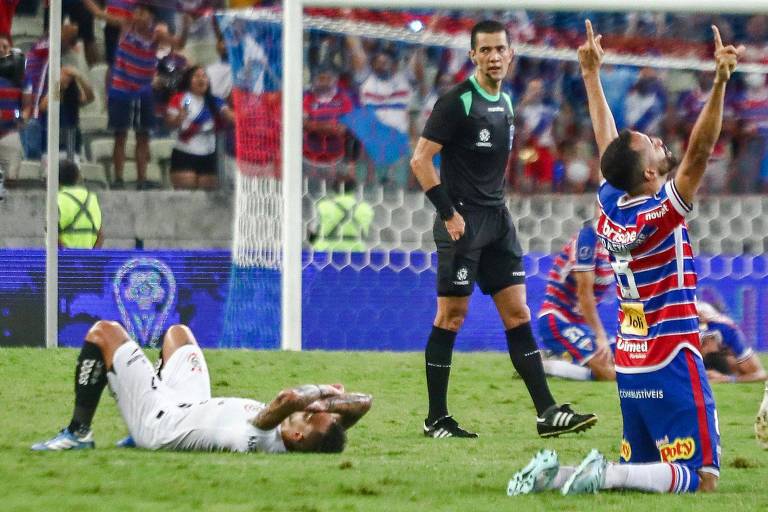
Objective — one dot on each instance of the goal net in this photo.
(371, 78)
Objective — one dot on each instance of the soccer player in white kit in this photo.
(172, 408)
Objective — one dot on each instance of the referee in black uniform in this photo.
(471, 128)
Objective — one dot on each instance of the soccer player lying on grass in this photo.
(671, 441)
(172, 408)
(727, 358)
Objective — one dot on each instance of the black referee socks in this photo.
(438, 355)
(527, 361)
(90, 379)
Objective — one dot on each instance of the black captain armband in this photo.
(439, 197)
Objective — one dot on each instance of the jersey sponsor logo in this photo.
(484, 138)
(679, 449)
(518, 273)
(626, 450)
(634, 321)
(634, 348)
(461, 276)
(642, 394)
(495, 109)
(657, 213)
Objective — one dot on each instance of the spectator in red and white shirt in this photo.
(194, 112)
(325, 137)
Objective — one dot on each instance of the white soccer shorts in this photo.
(150, 406)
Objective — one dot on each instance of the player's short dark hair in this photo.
(717, 361)
(621, 165)
(332, 440)
(486, 27)
(68, 173)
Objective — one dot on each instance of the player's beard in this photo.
(669, 163)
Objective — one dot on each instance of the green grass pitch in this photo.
(388, 465)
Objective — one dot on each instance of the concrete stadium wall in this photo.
(729, 225)
(162, 219)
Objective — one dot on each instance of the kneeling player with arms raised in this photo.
(671, 442)
(173, 409)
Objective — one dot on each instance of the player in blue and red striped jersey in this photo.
(130, 101)
(727, 357)
(671, 441)
(568, 320)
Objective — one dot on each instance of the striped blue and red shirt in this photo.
(35, 81)
(652, 258)
(321, 146)
(120, 8)
(10, 106)
(135, 64)
(583, 253)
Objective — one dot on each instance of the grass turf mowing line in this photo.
(388, 466)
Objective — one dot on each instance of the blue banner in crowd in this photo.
(384, 144)
(351, 307)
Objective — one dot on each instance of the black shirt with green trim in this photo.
(475, 130)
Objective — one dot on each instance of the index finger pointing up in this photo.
(718, 41)
(590, 34)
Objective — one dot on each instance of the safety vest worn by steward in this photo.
(79, 218)
(343, 223)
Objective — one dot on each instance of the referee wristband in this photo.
(439, 197)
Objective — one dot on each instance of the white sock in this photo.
(566, 370)
(563, 474)
(653, 477)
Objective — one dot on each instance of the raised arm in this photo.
(102, 14)
(590, 58)
(707, 128)
(293, 400)
(349, 406)
(165, 38)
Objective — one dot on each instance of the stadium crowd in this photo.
(367, 99)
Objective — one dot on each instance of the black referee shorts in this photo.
(488, 253)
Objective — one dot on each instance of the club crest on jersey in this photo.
(626, 451)
(484, 137)
(680, 449)
(462, 275)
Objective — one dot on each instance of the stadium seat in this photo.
(100, 150)
(93, 122)
(97, 77)
(154, 173)
(93, 175)
(30, 170)
(160, 151)
(26, 27)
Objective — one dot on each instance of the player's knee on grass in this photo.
(176, 337)
(602, 370)
(707, 482)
